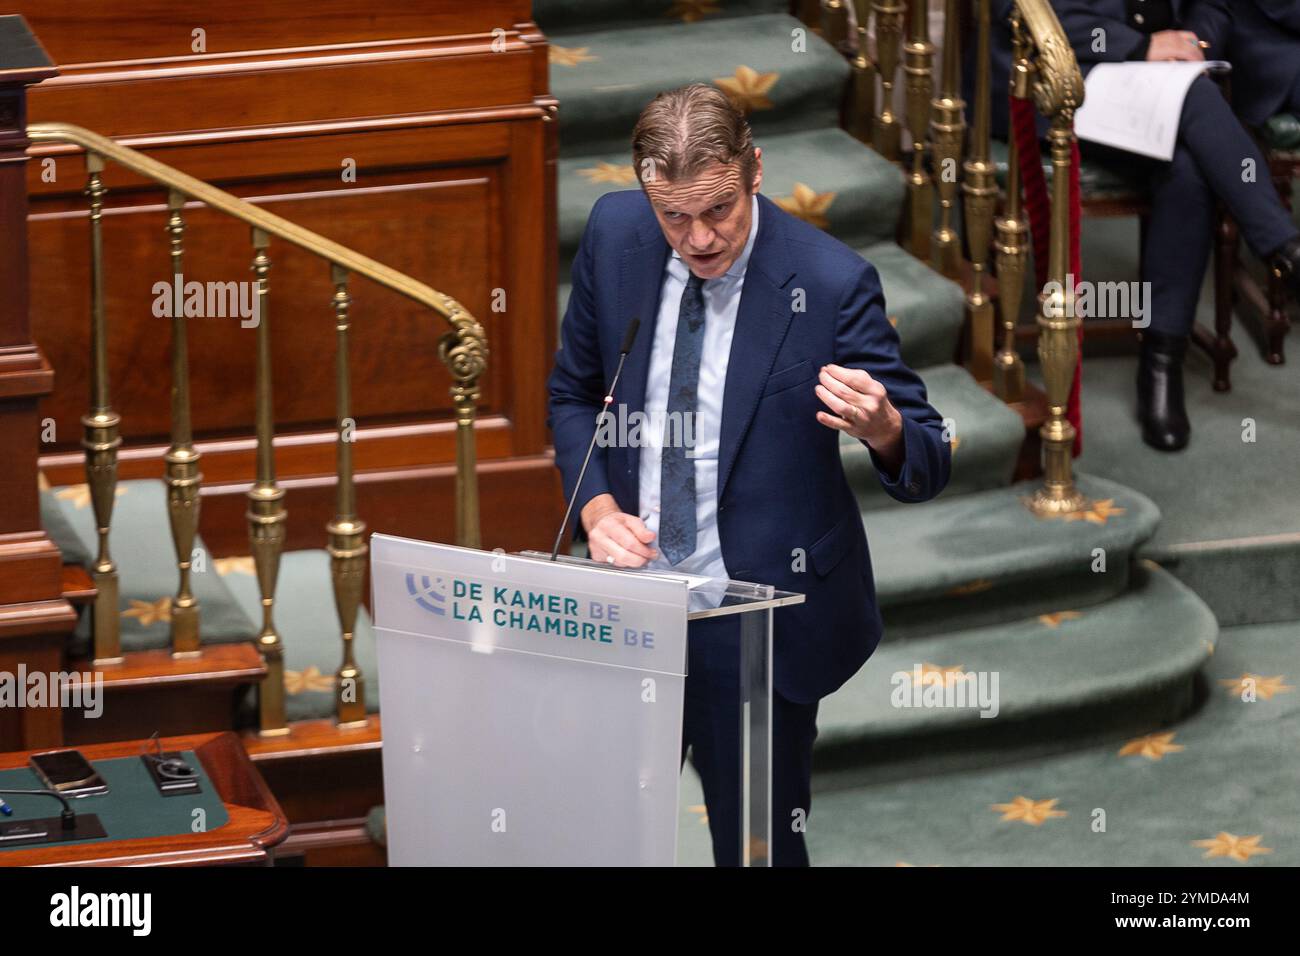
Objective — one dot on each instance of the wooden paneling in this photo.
(78, 32)
(450, 127)
(396, 372)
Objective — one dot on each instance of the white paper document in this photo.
(1136, 106)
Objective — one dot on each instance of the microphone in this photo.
(628, 338)
(68, 817)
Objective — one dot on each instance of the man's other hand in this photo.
(862, 409)
(614, 534)
(1175, 45)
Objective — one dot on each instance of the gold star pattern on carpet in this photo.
(893, 320)
(149, 612)
(1032, 812)
(240, 565)
(701, 809)
(1100, 512)
(604, 172)
(79, 495)
(934, 674)
(807, 204)
(1054, 619)
(1234, 847)
(1264, 687)
(689, 11)
(748, 88)
(1152, 746)
(295, 682)
(570, 55)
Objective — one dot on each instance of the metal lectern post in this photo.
(754, 604)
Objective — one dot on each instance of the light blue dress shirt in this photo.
(721, 302)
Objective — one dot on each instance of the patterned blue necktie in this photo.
(677, 472)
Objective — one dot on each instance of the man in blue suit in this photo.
(771, 338)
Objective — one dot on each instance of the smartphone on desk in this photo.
(68, 772)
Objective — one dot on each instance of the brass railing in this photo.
(1043, 70)
(463, 350)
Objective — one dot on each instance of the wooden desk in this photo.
(256, 821)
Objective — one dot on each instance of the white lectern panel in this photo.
(532, 711)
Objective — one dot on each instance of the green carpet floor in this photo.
(1217, 789)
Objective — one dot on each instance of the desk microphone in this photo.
(68, 817)
(628, 338)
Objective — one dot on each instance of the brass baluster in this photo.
(464, 353)
(182, 473)
(835, 23)
(918, 59)
(860, 120)
(889, 32)
(1058, 325)
(347, 545)
(980, 190)
(101, 438)
(1012, 246)
(266, 514)
(946, 125)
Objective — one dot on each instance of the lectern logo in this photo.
(430, 595)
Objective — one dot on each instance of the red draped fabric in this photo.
(1038, 208)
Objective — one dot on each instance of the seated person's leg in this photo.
(1180, 235)
(1221, 146)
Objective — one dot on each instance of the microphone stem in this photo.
(568, 512)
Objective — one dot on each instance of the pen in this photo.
(5, 808)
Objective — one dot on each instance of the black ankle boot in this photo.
(1160, 391)
(1287, 261)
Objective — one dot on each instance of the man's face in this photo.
(707, 218)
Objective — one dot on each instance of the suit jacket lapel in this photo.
(640, 282)
(762, 321)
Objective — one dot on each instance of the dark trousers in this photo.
(1207, 165)
(711, 731)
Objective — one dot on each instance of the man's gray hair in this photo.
(684, 130)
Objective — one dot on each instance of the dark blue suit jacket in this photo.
(781, 485)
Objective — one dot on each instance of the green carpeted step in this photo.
(1169, 794)
(927, 308)
(140, 543)
(603, 79)
(825, 176)
(1126, 664)
(557, 17)
(309, 627)
(984, 558)
(987, 438)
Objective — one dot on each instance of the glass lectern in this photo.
(532, 709)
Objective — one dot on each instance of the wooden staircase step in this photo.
(154, 691)
(215, 663)
(78, 586)
(320, 773)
